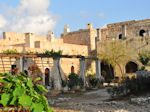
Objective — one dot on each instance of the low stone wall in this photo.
(143, 73)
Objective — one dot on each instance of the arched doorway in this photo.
(141, 33)
(47, 73)
(131, 67)
(72, 69)
(120, 36)
(107, 72)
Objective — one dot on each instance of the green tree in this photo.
(144, 58)
(115, 53)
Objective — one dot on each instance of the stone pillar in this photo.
(21, 64)
(66, 29)
(82, 70)
(123, 31)
(98, 69)
(57, 75)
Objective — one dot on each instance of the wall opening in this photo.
(107, 72)
(13, 69)
(72, 69)
(37, 44)
(131, 67)
(142, 32)
(120, 36)
(47, 75)
(26, 72)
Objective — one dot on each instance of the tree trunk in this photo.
(120, 69)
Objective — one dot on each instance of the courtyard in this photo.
(95, 101)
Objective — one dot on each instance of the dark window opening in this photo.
(26, 72)
(131, 67)
(120, 36)
(37, 44)
(141, 33)
(47, 73)
(13, 69)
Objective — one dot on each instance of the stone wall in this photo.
(13, 36)
(128, 29)
(137, 44)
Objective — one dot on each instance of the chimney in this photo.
(89, 26)
(50, 36)
(66, 29)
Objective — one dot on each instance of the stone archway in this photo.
(120, 36)
(47, 75)
(131, 67)
(107, 72)
(142, 32)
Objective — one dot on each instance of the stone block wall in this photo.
(132, 29)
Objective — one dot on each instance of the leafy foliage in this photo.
(115, 53)
(130, 86)
(144, 57)
(93, 81)
(53, 52)
(73, 80)
(12, 51)
(25, 93)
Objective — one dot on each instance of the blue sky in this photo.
(75, 13)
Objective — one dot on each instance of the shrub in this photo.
(21, 91)
(73, 80)
(130, 86)
(53, 52)
(12, 51)
(92, 80)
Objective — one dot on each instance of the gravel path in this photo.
(94, 101)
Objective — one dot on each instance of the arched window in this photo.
(72, 69)
(120, 36)
(47, 73)
(141, 33)
(131, 67)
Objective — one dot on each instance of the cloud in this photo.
(84, 14)
(3, 21)
(101, 15)
(29, 16)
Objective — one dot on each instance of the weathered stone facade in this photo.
(135, 34)
(129, 29)
(85, 42)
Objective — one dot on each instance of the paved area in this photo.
(94, 101)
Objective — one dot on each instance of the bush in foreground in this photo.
(20, 91)
(130, 86)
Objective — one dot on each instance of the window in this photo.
(131, 67)
(47, 73)
(120, 36)
(72, 69)
(37, 44)
(142, 32)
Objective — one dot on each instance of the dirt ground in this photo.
(93, 101)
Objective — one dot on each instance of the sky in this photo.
(40, 16)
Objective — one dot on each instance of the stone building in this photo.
(135, 34)
(80, 42)
(128, 29)
(83, 42)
